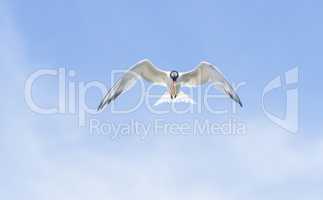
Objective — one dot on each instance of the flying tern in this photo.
(172, 80)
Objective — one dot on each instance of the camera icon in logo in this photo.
(288, 83)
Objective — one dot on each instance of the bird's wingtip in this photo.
(100, 107)
(240, 103)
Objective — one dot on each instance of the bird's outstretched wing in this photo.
(143, 69)
(204, 73)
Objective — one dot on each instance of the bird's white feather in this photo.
(143, 69)
(205, 73)
(181, 98)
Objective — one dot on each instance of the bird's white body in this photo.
(173, 81)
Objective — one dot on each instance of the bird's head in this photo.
(173, 75)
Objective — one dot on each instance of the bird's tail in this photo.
(181, 97)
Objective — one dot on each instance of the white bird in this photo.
(173, 80)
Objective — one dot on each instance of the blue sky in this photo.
(51, 157)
